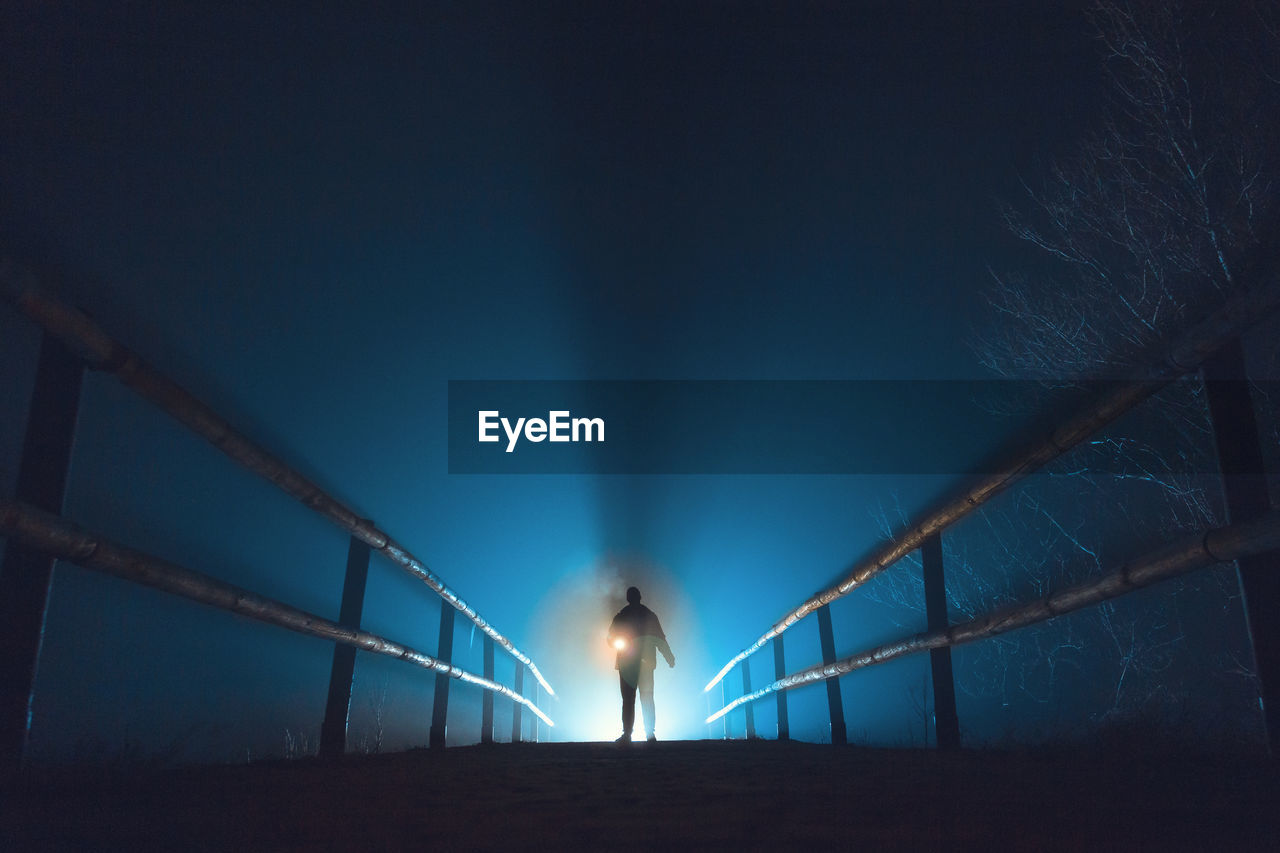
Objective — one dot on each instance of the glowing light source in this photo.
(619, 644)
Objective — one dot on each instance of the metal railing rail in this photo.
(1187, 354)
(101, 352)
(1216, 545)
(57, 537)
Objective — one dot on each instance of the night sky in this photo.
(315, 220)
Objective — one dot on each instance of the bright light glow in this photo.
(571, 641)
(619, 644)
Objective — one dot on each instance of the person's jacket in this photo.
(639, 627)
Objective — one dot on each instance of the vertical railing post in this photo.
(516, 728)
(946, 722)
(486, 701)
(333, 731)
(26, 574)
(746, 688)
(444, 652)
(1244, 484)
(779, 670)
(835, 704)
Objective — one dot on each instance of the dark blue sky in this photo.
(314, 220)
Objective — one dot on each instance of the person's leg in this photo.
(628, 687)
(645, 685)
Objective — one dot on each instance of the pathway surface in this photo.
(695, 795)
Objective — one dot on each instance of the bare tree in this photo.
(1151, 221)
(1153, 216)
(370, 740)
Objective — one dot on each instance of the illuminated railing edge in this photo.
(104, 353)
(1201, 550)
(60, 538)
(1235, 317)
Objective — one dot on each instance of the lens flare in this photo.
(619, 644)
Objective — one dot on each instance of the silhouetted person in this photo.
(637, 635)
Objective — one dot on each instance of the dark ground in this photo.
(682, 795)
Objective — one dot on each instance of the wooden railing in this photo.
(37, 536)
(1213, 347)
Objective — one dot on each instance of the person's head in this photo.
(633, 595)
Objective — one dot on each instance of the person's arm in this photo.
(665, 648)
(660, 639)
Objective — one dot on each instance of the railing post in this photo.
(516, 732)
(486, 701)
(333, 731)
(440, 708)
(946, 722)
(834, 703)
(26, 574)
(1244, 483)
(746, 688)
(779, 670)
